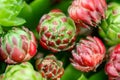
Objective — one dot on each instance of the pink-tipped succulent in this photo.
(88, 54)
(112, 67)
(50, 67)
(87, 13)
(18, 45)
(56, 31)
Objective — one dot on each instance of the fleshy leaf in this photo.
(82, 77)
(71, 73)
(12, 22)
(99, 76)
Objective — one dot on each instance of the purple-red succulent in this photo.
(112, 67)
(88, 54)
(50, 67)
(87, 13)
(17, 45)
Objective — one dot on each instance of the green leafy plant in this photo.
(9, 9)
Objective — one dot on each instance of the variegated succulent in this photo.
(56, 31)
(17, 45)
(50, 67)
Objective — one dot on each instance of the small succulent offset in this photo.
(23, 71)
(56, 31)
(50, 67)
(112, 67)
(88, 54)
(109, 28)
(17, 45)
(87, 13)
(9, 10)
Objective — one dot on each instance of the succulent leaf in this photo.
(82, 77)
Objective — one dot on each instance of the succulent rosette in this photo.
(17, 45)
(88, 54)
(56, 31)
(50, 67)
(87, 13)
(109, 28)
(23, 71)
(9, 11)
(112, 67)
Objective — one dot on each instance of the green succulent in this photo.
(9, 10)
(23, 71)
(109, 28)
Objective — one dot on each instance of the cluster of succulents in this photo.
(59, 40)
